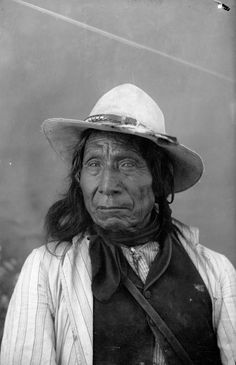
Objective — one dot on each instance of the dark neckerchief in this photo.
(108, 264)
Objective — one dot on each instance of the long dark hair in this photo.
(68, 216)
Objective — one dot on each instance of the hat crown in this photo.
(128, 100)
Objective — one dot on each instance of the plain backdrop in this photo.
(180, 52)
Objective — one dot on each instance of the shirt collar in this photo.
(190, 233)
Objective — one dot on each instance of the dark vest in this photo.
(123, 333)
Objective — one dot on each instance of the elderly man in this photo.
(120, 282)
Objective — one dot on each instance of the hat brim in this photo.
(64, 134)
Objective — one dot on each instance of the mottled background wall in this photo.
(181, 52)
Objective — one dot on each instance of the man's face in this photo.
(116, 182)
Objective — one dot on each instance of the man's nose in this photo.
(109, 182)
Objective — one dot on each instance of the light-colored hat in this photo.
(127, 109)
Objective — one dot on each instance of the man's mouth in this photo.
(115, 207)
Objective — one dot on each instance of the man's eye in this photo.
(94, 164)
(127, 164)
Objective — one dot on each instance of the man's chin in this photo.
(113, 225)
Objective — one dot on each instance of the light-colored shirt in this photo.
(141, 257)
(50, 315)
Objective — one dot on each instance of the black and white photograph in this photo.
(117, 182)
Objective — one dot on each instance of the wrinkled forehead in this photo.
(113, 140)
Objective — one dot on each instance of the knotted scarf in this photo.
(108, 262)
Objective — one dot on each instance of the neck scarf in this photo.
(108, 263)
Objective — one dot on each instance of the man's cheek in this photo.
(146, 199)
(146, 192)
(88, 202)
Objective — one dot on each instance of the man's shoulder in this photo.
(53, 253)
(200, 254)
(187, 234)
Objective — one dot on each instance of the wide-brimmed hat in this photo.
(127, 109)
